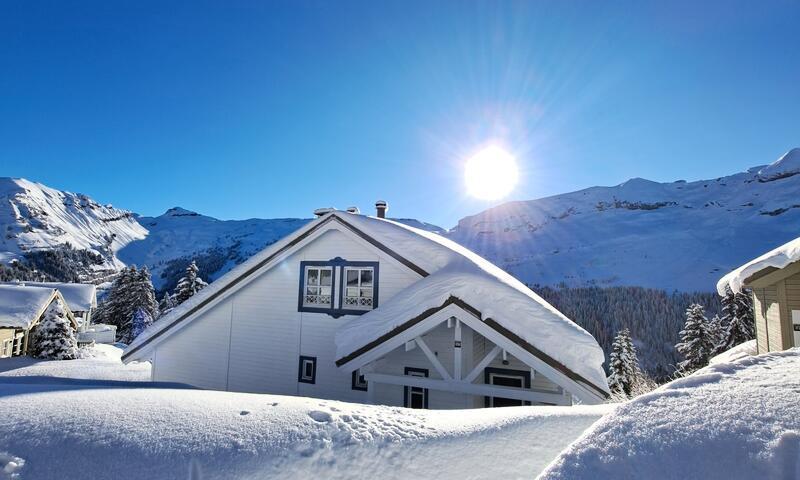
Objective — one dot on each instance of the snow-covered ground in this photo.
(735, 420)
(99, 428)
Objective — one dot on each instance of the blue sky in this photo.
(270, 109)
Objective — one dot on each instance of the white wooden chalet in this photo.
(364, 309)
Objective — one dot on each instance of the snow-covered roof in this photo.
(777, 258)
(457, 271)
(22, 306)
(450, 270)
(80, 297)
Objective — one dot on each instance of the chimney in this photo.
(322, 211)
(381, 207)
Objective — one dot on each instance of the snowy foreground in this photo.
(735, 420)
(95, 419)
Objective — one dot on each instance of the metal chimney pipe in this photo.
(381, 208)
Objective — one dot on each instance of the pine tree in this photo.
(624, 364)
(139, 322)
(53, 338)
(697, 343)
(189, 284)
(741, 322)
(717, 331)
(166, 304)
(131, 290)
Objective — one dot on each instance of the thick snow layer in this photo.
(777, 258)
(456, 271)
(99, 362)
(731, 421)
(787, 165)
(80, 297)
(123, 430)
(19, 306)
(743, 350)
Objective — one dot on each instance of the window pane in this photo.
(313, 276)
(325, 290)
(352, 278)
(503, 381)
(366, 277)
(312, 290)
(326, 276)
(352, 292)
(366, 292)
(309, 369)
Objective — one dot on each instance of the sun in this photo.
(491, 174)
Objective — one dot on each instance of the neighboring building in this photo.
(81, 298)
(21, 309)
(368, 310)
(774, 279)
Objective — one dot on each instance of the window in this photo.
(416, 397)
(6, 349)
(358, 292)
(308, 370)
(503, 377)
(338, 287)
(359, 382)
(318, 287)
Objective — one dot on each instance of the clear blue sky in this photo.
(269, 109)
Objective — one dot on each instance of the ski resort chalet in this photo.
(21, 309)
(364, 309)
(774, 279)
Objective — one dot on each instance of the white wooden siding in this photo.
(251, 342)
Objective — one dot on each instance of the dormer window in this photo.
(318, 287)
(358, 288)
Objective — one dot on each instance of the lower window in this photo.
(308, 370)
(415, 397)
(503, 377)
(359, 382)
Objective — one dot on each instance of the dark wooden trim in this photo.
(425, 392)
(489, 322)
(541, 355)
(313, 369)
(401, 328)
(259, 265)
(488, 371)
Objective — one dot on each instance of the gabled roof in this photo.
(780, 257)
(450, 270)
(80, 297)
(21, 307)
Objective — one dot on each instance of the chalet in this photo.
(774, 280)
(364, 309)
(21, 309)
(81, 298)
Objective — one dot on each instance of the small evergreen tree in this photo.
(189, 284)
(166, 304)
(53, 338)
(624, 364)
(740, 325)
(697, 342)
(139, 323)
(717, 331)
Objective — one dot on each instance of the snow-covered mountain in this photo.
(35, 217)
(675, 235)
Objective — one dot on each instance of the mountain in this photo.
(679, 235)
(35, 218)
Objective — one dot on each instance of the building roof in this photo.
(449, 270)
(20, 307)
(80, 297)
(774, 259)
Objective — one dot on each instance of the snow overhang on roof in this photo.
(21, 306)
(778, 258)
(80, 297)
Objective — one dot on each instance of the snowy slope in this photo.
(36, 217)
(663, 235)
(129, 430)
(735, 420)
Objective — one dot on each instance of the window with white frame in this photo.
(358, 288)
(359, 382)
(308, 370)
(318, 287)
(7, 348)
